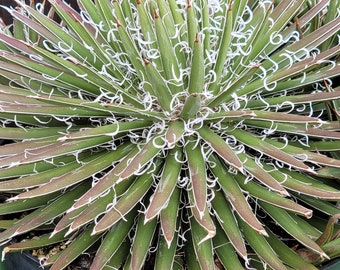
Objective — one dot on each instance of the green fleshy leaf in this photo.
(202, 246)
(287, 254)
(198, 176)
(168, 217)
(142, 241)
(260, 245)
(290, 226)
(229, 225)
(133, 195)
(76, 248)
(113, 241)
(43, 215)
(166, 185)
(330, 172)
(235, 197)
(225, 252)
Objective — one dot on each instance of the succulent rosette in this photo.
(172, 134)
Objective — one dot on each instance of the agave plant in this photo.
(196, 134)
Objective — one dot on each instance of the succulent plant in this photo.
(196, 134)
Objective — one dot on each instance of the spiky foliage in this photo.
(167, 133)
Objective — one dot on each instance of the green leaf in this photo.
(268, 149)
(224, 46)
(66, 180)
(196, 79)
(191, 106)
(174, 133)
(287, 255)
(286, 101)
(144, 156)
(31, 133)
(203, 219)
(221, 147)
(308, 186)
(259, 244)
(308, 226)
(178, 18)
(190, 254)
(327, 234)
(168, 57)
(29, 179)
(287, 223)
(47, 110)
(263, 175)
(202, 246)
(226, 219)
(329, 172)
(25, 205)
(112, 242)
(166, 185)
(76, 248)
(85, 33)
(142, 241)
(231, 115)
(225, 251)
(205, 24)
(160, 88)
(41, 167)
(262, 193)
(308, 155)
(146, 22)
(66, 220)
(82, 216)
(108, 130)
(36, 242)
(99, 207)
(119, 257)
(165, 256)
(44, 214)
(106, 108)
(169, 217)
(285, 117)
(131, 197)
(332, 248)
(107, 181)
(192, 27)
(47, 28)
(234, 195)
(198, 177)
(323, 206)
(296, 129)
(52, 150)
